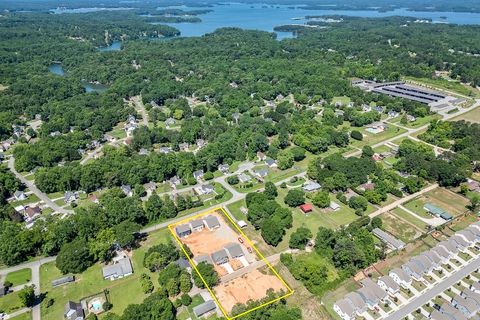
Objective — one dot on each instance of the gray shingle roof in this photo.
(196, 223)
(121, 268)
(234, 249)
(211, 221)
(388, 239)
(204, 308)
(183, 228)
(220, 256)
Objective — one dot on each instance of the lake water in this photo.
(56, 68)
(91, 87)
(266, 17)
(85, 10)
(115, 46)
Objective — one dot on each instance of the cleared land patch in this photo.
(244, 273)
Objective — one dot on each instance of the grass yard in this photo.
(187, 312)
(423, 121)
(442, 84)
(472, 116)
(91, 282)
(32, 198)
(23, 316)
(449, 201)
(19, 277)
(10, 303)
(399, 228)
(416, 205)
(404, 215)
(371, 139)
(344, 100)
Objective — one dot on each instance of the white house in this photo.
(344, 309)
(401, 277)
(389, 285)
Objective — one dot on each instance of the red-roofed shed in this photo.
(306, 208)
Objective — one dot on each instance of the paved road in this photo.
(401, 201)
(33, 188)
(92, 154)
(35, 267)
(426, 296)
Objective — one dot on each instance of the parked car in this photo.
(249, 249)
(240, 240)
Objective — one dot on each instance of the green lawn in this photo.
(371, 139)
(19, 277)
(442, 84)
(472, 116)
(187, 312)
(343, 99)
(410, 218)
(416, 205)
(10, 303)
(32, 198)
(91, 282)
(23, 316)
(422, 121)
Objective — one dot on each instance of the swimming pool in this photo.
(96, 305)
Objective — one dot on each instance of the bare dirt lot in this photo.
(251, 286)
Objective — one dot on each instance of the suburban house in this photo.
(389, 285)
(204, 189)
(127, 190)
(357, 302)
(211, 222)
(183, 263)
(369, 296)
(220, 257)
(388, 239)
(261, 173)
(242, 177)
(375, 288)
(468, 306)
(461, 244)
(73, 311)
(63, 280)
(32, 213)
(93, 198)
(200, 143)
(198, 174)
(433, 257)
(261, 156)
(204, 309)
(122, 268)
(411, 118)
(150, 186)
(344, 309)
(450, 246)
(449, 312)
(311, 186)
(271, 163)
(393, 114)
(334, 206)
(70, 196)
(436, 211)
(475, 287)
(165, 150)
(234, 250)
(306, 208)
(366, 186)
(469, 294)
(425, 263)
(183, 230)
(169, 122)
(183, 146)
(473, 185)
(376, 127)
(224, 168)
(474, 231)
(197, 225)
(414, 269)
(175, 181)
(468, 236)
(401, 277)
(19, 195)
(442, 253)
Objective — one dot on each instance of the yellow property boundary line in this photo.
(290, 291)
